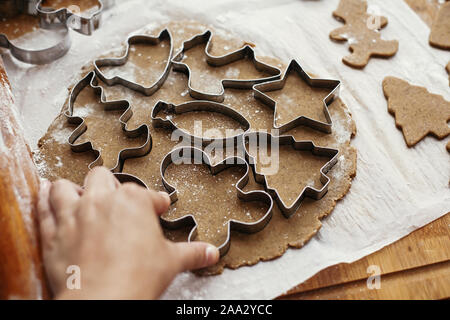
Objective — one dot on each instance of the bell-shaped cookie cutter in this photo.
(91, 80)
(199, 105)
(311, 192)
(294, 66)
(137, 39)
(217, 61)
(189, 154)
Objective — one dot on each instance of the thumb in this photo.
(196, 255)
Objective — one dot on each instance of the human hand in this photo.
(112, 233)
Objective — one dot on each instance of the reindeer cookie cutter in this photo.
(217, 61)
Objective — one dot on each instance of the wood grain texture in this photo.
(21, 271)
(428, 282)
(420, 250)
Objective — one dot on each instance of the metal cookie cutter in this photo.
(199, 106)
(66, 17)
(294, 66)
(218, 61)
(91, 80)
(54, 20)
(42, 56)
(138, 39)
(189, 154)
(308, 191)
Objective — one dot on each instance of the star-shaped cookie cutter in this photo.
(137, 39)
(294, 66)
(91, 80)
(190, 154)
(217, 61)
(307, 191)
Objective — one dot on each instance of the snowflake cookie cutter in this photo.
(217, 61)
(200, 105)
(294, 66)
(91, 80)
(307, 191)
(112, 62)
(189, 154)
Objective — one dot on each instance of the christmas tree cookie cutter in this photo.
(307, 191)
(294, 66)
(217, 61)
(91, 80)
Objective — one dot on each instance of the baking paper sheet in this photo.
(396, 190)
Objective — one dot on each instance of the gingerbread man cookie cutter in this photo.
(294, 66)
(307, 191)
(91, 80)
(187, 155)
(217, 61)
(137, 39)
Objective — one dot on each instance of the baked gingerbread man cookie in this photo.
(417, 111)
(362, 32)
(440, 30)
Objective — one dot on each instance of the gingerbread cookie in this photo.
(440, 30)
(362, 31)
(417, 112)
(448, 71)
(56, 160)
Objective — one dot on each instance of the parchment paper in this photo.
(396, 190)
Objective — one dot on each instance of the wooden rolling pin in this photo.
(21, 271)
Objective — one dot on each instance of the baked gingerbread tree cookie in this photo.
(417, 111)
(361, 30)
